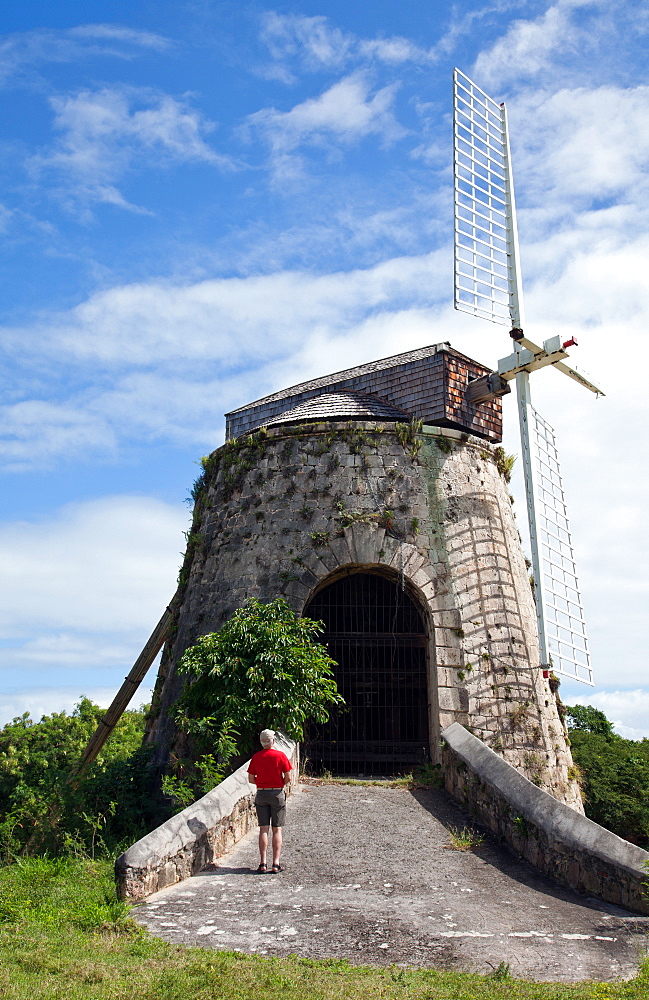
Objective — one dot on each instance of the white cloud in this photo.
(21, 53)
(38, 432)
(316, 45)
(117, 32)
(175, 358)
(44, 701)
(82, 591)
(105, 133)
(104, 566)
(235, 321)
(311, 38)
(67, 650)
(343, 114)
(627, 710)
(529, 47)
(575, 146)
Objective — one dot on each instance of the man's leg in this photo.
(277, 843)
(263, 844)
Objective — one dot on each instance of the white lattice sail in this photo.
(488, 285)
(564, 617)
(483, 229)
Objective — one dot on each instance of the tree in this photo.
(615, 780)
(107, 809)
(588, 720)
(265, 668)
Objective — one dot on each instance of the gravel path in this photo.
(369, 877)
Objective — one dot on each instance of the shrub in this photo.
(36, 761)
(263, 668)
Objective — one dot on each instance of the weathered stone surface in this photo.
(373, 897)
(304, 503)
(553, 837)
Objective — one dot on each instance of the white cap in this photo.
(267, 737)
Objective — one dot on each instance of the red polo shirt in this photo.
(269, 767)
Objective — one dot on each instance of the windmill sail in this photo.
(486, 252)
(488, 285)
(559, 591)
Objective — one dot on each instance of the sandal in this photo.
(276, 868)
(263, 869)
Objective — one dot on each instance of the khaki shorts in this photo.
(270, 804)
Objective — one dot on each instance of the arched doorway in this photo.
(376, 635)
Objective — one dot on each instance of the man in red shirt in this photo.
(270, 771)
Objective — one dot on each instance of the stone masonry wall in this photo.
(283, 511)
(559, 841)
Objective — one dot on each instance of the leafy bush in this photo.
(36, 761)
(264, 668)
(615, 774)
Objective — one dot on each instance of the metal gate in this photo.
(376, 635)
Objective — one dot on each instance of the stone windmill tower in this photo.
(376, 500)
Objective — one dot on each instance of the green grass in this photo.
(63, 934)
(425, 776)
(464, 839)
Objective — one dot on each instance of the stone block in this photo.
(448, 619)
(448, 637)
(446, 718)
(449, 699)
(424, 575)
(413, 562)
(448, 656)
(340, 550)
(367, 542)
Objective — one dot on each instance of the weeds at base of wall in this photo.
(424, 777)
(464, 839)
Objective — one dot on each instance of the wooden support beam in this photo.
(111, 718)
(129, 687)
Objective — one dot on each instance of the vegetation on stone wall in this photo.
(444, 444)
(409, 436)
(614, 774)
(504, 463)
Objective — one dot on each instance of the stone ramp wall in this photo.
(555, 838)
(194, 837)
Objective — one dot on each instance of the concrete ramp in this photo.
(370, 877)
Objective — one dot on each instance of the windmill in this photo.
(488, 285)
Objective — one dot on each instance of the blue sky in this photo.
(203, 202)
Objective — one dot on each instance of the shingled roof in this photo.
(343, 406)
(429, 384)
(347, 373)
